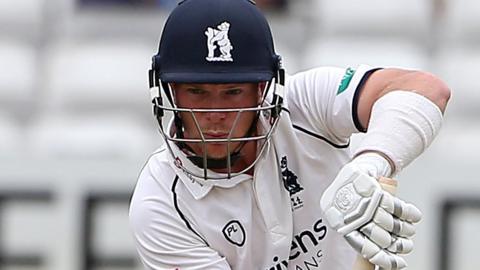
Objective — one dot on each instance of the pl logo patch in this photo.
(234, 233)
(218, 43)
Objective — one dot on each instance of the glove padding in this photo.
(375, 223)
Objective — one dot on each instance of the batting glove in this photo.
(375, 223)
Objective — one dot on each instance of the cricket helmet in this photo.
(215, 41)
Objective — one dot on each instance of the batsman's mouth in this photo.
(215, 135)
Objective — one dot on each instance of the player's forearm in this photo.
(388, 80)
(402, 125)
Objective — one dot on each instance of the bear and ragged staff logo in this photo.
(289, 178)
(290, 182)
(218, 42)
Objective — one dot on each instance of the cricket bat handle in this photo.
(390, 185)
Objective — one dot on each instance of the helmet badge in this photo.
(218, 43)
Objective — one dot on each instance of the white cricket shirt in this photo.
(272, 221)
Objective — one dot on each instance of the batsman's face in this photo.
(217, 125)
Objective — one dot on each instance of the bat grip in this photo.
(389, 185)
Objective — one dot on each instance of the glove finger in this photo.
(373, 253)
(385, 240)
(399, 208)
(401, 245)
(377, 234)
(362, 244)
(392, 224)
(388, 261)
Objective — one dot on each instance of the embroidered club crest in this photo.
(218, 43)
(289, 178)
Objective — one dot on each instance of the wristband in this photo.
(402, 125)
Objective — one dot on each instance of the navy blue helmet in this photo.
(215, 41)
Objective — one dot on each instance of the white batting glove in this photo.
(375, 223)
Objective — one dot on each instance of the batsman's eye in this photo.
(235, 91)
(196, 91)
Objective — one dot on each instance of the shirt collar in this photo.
(197, 186)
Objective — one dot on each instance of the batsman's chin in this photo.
(217, 153)
(220, 150)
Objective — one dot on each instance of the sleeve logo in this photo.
(346, 80)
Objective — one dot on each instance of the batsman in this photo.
(256, 169)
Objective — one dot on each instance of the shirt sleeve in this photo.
(324, 100)
(162, 239)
